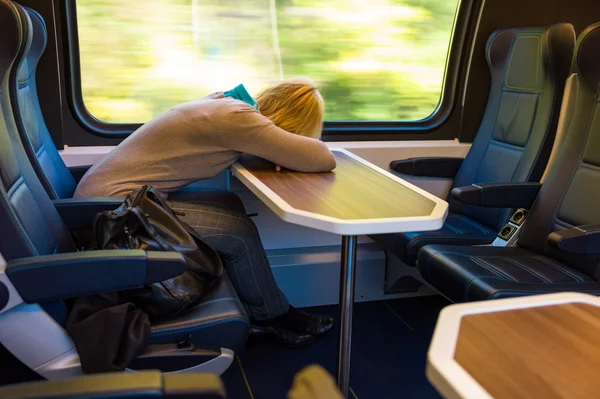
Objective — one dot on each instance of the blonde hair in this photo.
(294, 105)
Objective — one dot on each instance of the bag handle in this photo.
(139, 197)
(165, 246)
(154, 196)
(150, 229)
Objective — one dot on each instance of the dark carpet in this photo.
(389, 348)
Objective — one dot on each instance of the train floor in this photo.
(389, 348)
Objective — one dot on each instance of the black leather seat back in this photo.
(29, 223)
(577, 166)
(528, 70)
(47, 163)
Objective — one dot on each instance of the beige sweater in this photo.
(195, 141)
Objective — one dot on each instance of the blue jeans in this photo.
(220, 219)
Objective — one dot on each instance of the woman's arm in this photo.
(246, 130)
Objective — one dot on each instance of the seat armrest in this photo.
(60, 276)
(122, 385)
(79, 213)
(428, 167)
(498, 195)
(78, 171)
(582, 240)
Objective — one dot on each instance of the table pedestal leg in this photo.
(347, 280)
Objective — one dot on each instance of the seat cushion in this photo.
(478, 273)
(218, 321)
(457, 230)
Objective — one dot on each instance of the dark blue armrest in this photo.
(142, 384)
(61, 276)
(443, 167)
(498, 195)
(79, 213)
(582, 240)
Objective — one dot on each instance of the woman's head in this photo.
(294, 105)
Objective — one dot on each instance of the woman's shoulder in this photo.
(229, 109)
(204, 101)
(215, 103)
(224, 113)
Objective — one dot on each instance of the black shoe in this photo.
(281, 335)
(304, 323)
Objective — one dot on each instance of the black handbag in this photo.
(145, 221)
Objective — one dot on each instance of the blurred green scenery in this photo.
(372, 59)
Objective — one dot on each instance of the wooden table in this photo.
(545, 346)
(356, 198)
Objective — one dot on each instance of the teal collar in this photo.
(240, 93)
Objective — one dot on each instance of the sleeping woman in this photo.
(198, 140)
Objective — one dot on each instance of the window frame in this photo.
(424, 129)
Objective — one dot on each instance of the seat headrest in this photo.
(37, 39)
(525, 54)
(587, 57)
(12, 36)
(497, 47)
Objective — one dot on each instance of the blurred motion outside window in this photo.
(373, 60)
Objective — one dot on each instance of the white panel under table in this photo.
(356, 198)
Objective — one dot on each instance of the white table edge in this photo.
(338, 226)
(444, 372)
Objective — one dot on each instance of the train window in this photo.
(376, 60)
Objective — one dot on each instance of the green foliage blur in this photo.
(372, 59)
